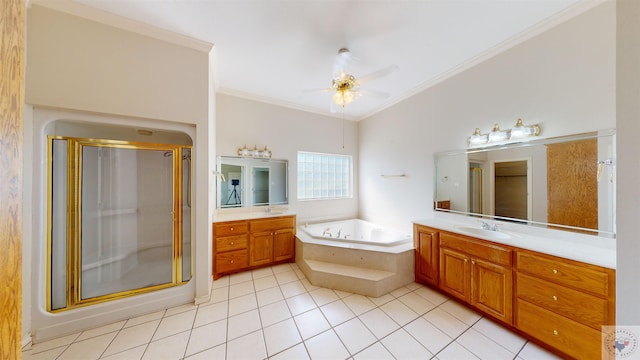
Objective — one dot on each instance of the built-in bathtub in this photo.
(355, 256)
(356, 231)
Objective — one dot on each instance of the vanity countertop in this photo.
(590, 249)
(221, 216)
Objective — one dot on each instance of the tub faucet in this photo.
(326, 232)
(338, 236)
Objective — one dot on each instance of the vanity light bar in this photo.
(245, 152)
(498, 136)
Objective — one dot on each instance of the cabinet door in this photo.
(492, 289)
(231, 261)
(454, 274)
(260, 248)
(283, 245)
(426, 244)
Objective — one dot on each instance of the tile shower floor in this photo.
(275, 313)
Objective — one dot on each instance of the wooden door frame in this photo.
(492, 184)
(12, 25)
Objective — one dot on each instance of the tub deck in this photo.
(359, 268)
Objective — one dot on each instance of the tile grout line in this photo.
(193, 323)
(66, 347)
(521, 348)
(302, 340)
(226, 334)
(110, 342)
(377, 306)
(457, 337)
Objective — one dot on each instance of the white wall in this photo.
(286, 131)
(563, 79)
(453, 181)
(628, 168)
(103, 74)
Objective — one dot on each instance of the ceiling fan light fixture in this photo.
(343, 97)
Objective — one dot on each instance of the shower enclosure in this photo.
(119, 219)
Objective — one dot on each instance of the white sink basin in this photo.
(482, 232)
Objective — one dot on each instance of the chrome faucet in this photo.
(268, 209)
(486, 226)
(326, 232)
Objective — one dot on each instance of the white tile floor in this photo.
(276, 313)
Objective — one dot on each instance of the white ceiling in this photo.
(277, 51)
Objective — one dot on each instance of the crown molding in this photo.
(123, 23)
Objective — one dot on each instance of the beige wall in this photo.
(285, 131)
(563, 79)
(88, 71)
(80, 64)
(628, 165)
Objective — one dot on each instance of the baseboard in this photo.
(26, 342)
(78, 320)
(205, 298)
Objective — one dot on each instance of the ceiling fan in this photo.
(346, 87)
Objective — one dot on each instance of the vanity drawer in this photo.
(575, 305)
(577, 340)
(232, 261)
(231, 243)
(494, 253)
(565, 272)
(273, 224)
(230, 228)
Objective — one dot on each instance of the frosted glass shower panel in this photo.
(127, 219)
(59, 194)
(186, 213)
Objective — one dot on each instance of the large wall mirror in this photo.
(246, 182)
(562, 183)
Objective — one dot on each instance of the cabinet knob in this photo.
(555, 298)
(232, 229)
(232, 261)
(465, 260)
(555, 332)
(555, 272)
(232, 243)
(473, 262)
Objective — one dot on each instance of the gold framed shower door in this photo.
(72, 250)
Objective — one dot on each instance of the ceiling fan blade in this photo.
(343, 61)
(378, 74)
(374, 93)
(317, 91)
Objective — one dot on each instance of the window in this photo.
(323, 176)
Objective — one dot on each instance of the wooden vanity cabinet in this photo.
(230, 247)
(243, 245)
(426, 242)
(558, 302)
(479, 273)
(564, 303)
